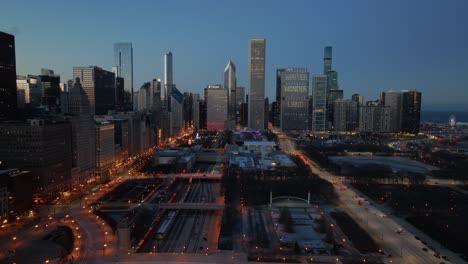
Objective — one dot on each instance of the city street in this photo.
(384, 230)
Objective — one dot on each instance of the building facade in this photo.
(42, 146)
(293, 98)
(256, 103)
(105, 150)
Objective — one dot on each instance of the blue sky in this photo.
(377, 45)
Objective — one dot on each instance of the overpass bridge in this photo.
(152, 206)
(207, 176)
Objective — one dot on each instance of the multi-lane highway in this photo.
(404, 247)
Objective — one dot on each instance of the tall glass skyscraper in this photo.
(230, 83)
(123, 59)
(168, 80)
(256, 101)
(319, 97)
(327, 60)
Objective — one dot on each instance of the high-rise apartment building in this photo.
(319, 97)
(8, 101)
(292, 98)
(393, 100)
(123, 59)
(256, 102)
(374, 117)
(99, 86)
(217, 107)
(345, 115)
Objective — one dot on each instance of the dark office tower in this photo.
(411, 112)
(119, 94)
(42, 146)
(292, 91)
(327, 60)
(267, 112)
(123, 59)
(256, 102)
(203, 114)
(311, 108)
(196, 111)
(99, 86)
(359, 99)
(240, 97)
(188, 110)
(333, 95)
(50, 95)
(230, 84)
(332, 80)
(156, 88)
(168, 77)
(8, 101)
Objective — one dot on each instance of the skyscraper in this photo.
(393, 100)
(8, 101)
(196, 111)
(105, 149)
(50, 95)
(217, 107)
(327, 59)
(319, 97)
(230, 83)
(256, 103)
(99, 86)
(123, 59)
(374, 118)
(411, 115)
(292, 98)
(240, 99)
(83, 135)
(168, 77)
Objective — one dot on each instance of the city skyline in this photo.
(392, 54)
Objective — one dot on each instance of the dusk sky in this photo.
(377, 45)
